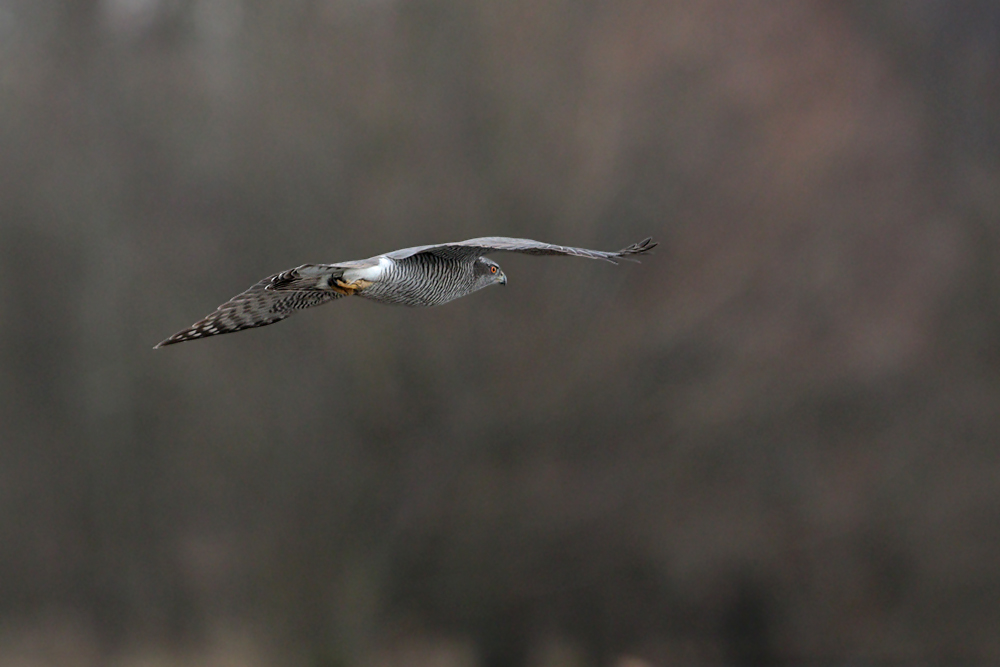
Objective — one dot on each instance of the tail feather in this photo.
(306, 277)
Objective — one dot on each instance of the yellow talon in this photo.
(348, 289)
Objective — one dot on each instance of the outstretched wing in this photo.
(488, 244)
(267, 302)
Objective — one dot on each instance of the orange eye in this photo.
(493, 269)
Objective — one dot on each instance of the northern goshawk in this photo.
(427, 275)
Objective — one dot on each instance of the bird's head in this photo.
(489, 272)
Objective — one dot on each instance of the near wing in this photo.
(488, 244)
(267, 302)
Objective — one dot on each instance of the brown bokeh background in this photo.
(775, 441)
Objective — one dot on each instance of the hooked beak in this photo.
(502, 278)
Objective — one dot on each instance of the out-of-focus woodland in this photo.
(774, 441)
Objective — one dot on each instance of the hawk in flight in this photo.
(427, 275)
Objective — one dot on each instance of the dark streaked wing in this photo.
(256, 307)
(489, 244)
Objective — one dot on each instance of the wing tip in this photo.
(202, 329)
(176, 338)
(642, 246)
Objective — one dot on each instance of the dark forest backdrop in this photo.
(776, 440)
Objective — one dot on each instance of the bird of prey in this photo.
(426, 275)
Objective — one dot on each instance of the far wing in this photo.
(490, 244)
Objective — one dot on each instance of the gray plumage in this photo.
(422, 276)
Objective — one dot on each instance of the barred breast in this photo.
(422, 280)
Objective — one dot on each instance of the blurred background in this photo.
(774, 441)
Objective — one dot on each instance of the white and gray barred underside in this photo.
(424, 280)
(415, 281)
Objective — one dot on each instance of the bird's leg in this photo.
(348, 288)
